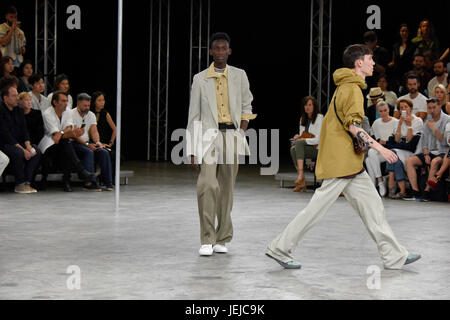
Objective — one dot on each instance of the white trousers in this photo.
(364, 198)
(4, 160)
(373, 164)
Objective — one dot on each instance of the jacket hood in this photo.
(346, 75)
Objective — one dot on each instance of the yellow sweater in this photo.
(336, 157)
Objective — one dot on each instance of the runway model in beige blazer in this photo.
(219, 111)
(342, 170)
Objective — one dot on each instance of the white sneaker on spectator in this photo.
(206, 250)
(22, 189)
(382, 188)
(218, 248)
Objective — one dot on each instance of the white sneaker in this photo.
(206, 250)
(218, 248)
(382, 188)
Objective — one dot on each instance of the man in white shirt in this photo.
(418, 99)
(440, 78)
(91, 153)
(56, 144)
(37, 85)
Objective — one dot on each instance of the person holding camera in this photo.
(12, 38)
(341, 168)
(15, 141)
(88, 146)
(403, 143)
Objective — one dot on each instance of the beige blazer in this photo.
(202, 127)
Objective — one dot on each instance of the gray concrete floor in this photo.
(148, 248)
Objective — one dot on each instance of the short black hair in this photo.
(11, 9)
(355, 52)
(7, 81)
(418, 55)
(439, 61)
(219, 36)
(370, 36)
(36, 77)
(5, 91)
(55, 96)
(22, 66)
(413, 76)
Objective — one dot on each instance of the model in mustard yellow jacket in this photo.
(336, 156)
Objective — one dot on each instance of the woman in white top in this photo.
(61, 84)
(305, 144)
(440, 92)
(408, 130)
(382, 129)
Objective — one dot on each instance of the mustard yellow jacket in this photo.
(336, 157)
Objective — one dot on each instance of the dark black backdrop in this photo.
(270, 40)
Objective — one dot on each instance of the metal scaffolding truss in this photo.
(158, 108)
(45, 56)
(199, 36)
(320, 52)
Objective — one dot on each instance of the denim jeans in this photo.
(90, 158)
(398, 169)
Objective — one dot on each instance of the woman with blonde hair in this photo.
(440, 92)
(305, 143)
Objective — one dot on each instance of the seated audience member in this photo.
(90, 153)
(38, 100)
(382, 129)
(56, 144)
(419, 100)
(15, 142)
(420, 71)
(375, 95)
(440, 77)
(406, 138)
(6, 66)
(35, 124)
(444, 170)
(62, 84)
(402, 57)
(304, 144)
(4, 161)
(8, 81)
(389, 96)
(440, 92)
(105, 124)
(25, 72)
(433, 146)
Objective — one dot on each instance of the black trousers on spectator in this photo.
(62, 156)
(23, 169)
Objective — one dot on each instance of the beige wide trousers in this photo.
(364, 198)
(215, 187)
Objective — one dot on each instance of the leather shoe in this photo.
(287, 265)
(412, 257)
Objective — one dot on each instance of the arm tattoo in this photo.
(364, 137)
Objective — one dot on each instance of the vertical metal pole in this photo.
(36, 35)
(55, 41)
(311, 47)
(119, 99)
(319, 69)
(200, 39)
(167, 79)
(45, 46)
(149, 132)
(190, 43)
(159, 83)
(209, 30)
(329, 51)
